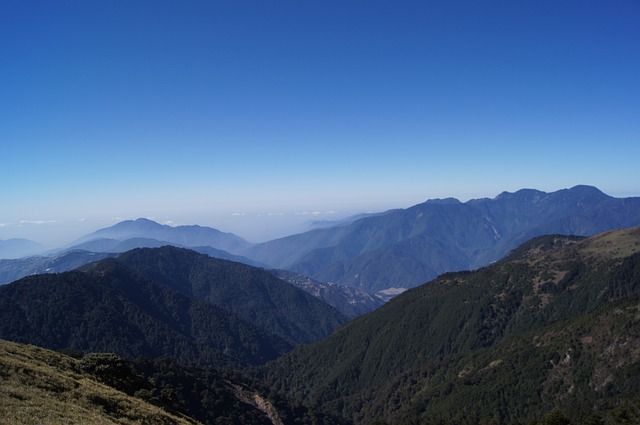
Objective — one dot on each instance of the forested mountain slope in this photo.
(252, 293)
(40, 386)
(109, 309)
(558, 325)
(165, 302)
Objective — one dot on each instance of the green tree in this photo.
(594, 419)
(555, 417)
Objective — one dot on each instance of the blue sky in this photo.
(249, 115)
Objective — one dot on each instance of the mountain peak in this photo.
(18, 247)
(141, 223)
(588, 191)
(189, 236)
(581, 192)
(443, 201)
(521, 194)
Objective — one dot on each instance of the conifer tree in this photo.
(555, 417)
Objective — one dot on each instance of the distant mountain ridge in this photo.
(18, 247)
(395, 249)
(404, 248)
(186, 236)
(11, 270)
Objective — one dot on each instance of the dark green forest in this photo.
(504, 344)
(165, 302)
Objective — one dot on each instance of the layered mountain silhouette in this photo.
(165, 301)
(407, 247)
(17, 248)
(388, 251)
(16, 262)
(554, 326)
(11, 270)
(147, 233)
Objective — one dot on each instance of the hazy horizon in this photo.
(253, 226)
(244, 115)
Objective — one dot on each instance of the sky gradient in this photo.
(248, 116)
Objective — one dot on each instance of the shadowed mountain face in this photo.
(555, 325)
(252, 293)
(112, 310)
(350, 301)
(166, 301)
(404, 248)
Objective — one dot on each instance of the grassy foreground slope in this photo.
(38, 386)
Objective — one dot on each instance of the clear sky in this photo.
(248, 115)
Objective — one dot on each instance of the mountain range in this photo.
(407, 247)
(383, 253)
(186, 236)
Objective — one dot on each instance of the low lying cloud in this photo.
(22, 222)
(315, 213)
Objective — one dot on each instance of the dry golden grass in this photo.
(39, 386)
(613, 244)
